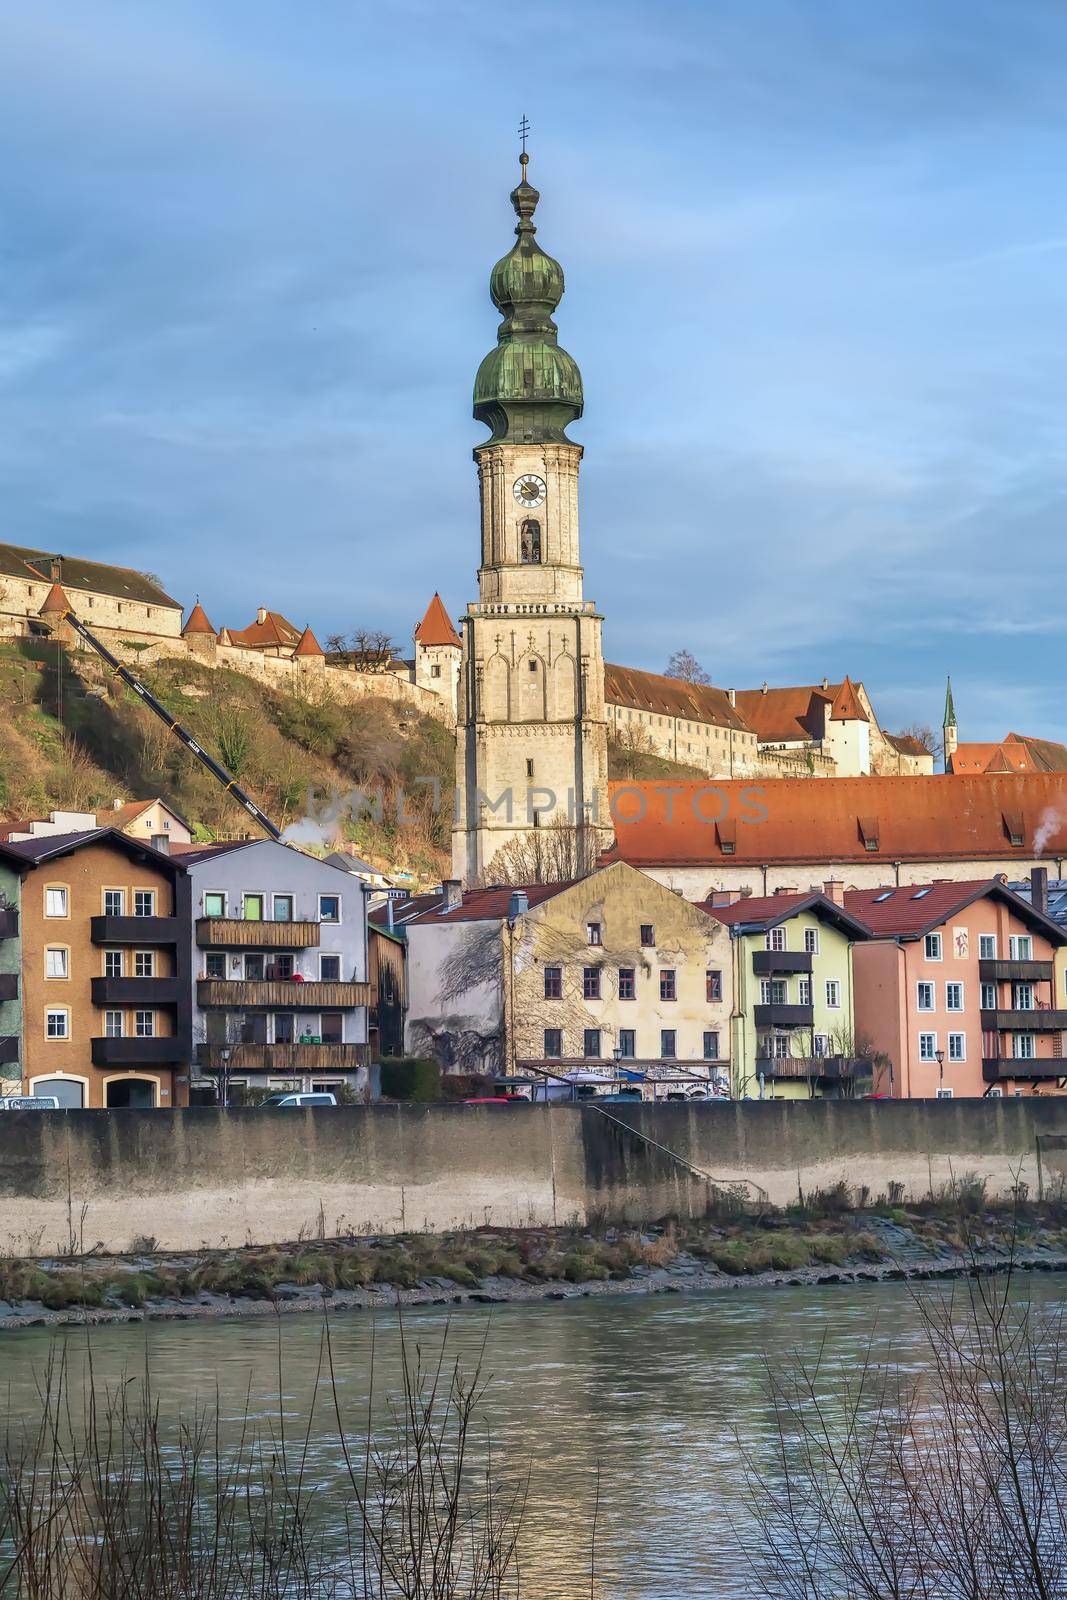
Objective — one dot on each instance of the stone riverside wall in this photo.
(209, 1178)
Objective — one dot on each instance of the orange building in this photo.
(956, 989)
(106, 984)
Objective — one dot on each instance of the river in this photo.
(654, 1391)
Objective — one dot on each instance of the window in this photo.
(215, 964)
(591, 1044)
(283, 908)
(773, 992)
(329, 908)
(989, 997)
(553, 983)
(712, 986)
(144, 963)
(113, 963)
(944, 1093)
(252, 907)
(996, 1093)
(284, 1027)
(924, 996)
(114, 902)
(627, 1043)
(932, 946)
(804, 990)
(627, 984)
(112, 1024)
(775, 938)
(55, 902)
(57, 1023)
(144, 902)
(1022, 996)
(928, 1047)
(648, 935)
(957, 1047)
(781, 1047)
(144, 1024)
(435, 670)
(529, 767)
(329, 969)
(833, 994)
(667, 1039)
(820, 1045)
(332, 1027)
(530, 542)
(711, 1047)
(592, 932)
(953, 996)
(282, 968)
(255, 967)
(1022, 947)
(1022, 1047)
(667, 990)
(987, 946)
(160, 841)
(214, 904)
(591, 983)
(553, 1044)
(57, 961)
(811, 941)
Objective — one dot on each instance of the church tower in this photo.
(948, 727)
(531, 743)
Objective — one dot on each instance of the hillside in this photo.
(73, 736)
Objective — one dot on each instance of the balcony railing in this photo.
(1015, 971)
(136, 991)
(135, 930)
(9, 985)
(766, 962)
(9, 923)
(996, 1068)
(812, 1066)
(295, 1057)
(778, 1015)
(280, 994)
(234, 933)
(9, 1048)
(1039, 1020)
(132, 1052)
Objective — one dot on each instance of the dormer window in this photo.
(530, 542)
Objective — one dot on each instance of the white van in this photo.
(29, 1102)
(298, 1099)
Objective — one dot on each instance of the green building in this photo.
(793, 1032)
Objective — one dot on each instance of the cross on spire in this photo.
(524, 128)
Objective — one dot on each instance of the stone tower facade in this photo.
(531, 747)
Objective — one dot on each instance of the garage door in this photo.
(70, 1094)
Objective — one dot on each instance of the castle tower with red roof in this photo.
(438, 652)
(531, 746)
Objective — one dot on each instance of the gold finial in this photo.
(524, 128)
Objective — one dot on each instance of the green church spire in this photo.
(950, 709)
(528, 389)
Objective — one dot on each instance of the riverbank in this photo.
(487, 1266)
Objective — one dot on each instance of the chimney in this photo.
(790, 889)
(518, 905)
(731, 695)
(451, 895)
(261, 614)
(834, 889)
(765, 687)
(389, 914)
(1039, 889)
(56, 567)
(724, 897)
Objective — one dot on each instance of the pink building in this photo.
(957, 988)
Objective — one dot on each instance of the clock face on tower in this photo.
(530, 490)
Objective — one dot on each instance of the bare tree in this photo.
(371, 650)
(628, 746)
(923, 734)
(683, 664)
(556, 854)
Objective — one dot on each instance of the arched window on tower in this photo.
(530, 542)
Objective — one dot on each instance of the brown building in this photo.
(106, 987)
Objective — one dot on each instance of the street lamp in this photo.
(939, 1056)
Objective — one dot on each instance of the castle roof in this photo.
(906, 744)
(796, 713)
(19, 561)
(198, 622)
(308, 645)
(436, 626)
(673, 697)
(54, 600)
(846, 705)
(269, 631)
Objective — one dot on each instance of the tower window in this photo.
(533, 664)
(530, 542)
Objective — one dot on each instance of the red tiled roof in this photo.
(484, 905)
(54, 600)
(767, 909)
(274, 630)
(846, 706)
(910, 911)
(913, 818)
(974, 757)
(672, 697)
(436, 626)
(784, 715)
(119, 816)
(907, 744)
(309, 645)
(1048, 755)
(198, 622)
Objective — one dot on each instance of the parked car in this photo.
(29, 1102)
(297, 1099)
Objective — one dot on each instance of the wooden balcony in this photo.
(235, 933)
(283, 1057)
(9, 985)
(243, 994)
(767, 962)
(131, 1052)
(9, 923)
(145, 931)
(812, 1066)
(146, 992)
(1037, 1021)
(1043, 1068)
(1015, 971)
(784, 1016)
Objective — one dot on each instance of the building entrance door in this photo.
(134, 1093)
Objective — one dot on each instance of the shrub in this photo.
(410, 1078)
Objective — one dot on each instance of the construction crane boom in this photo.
(214, 767)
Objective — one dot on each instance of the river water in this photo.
(652, 1391)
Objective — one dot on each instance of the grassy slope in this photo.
(78, 738)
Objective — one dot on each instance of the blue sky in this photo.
(815, 253)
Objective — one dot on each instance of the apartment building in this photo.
(956, 988)
(105, 988)
(794, 1028)
(279, 952)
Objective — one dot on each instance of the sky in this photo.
(816, 257)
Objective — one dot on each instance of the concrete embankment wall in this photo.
(205, 1178)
